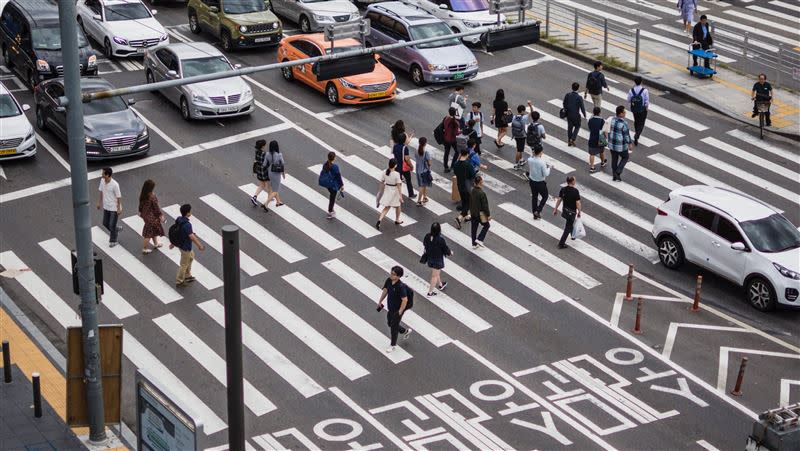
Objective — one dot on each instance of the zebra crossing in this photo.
(299, 350)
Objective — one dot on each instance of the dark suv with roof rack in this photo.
(30, 39)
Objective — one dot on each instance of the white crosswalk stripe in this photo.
(273, 358)
(420, 287)
(254, 229)
(786, 5)
(299, 221)
(138, 270)
(761, 145)
(584, 132)
(347, 317)
(194, 346)
(754, 159)
(690, 172)
(214, 240)
(616, 208)
(765, 22)
(306, 333)
(629, 189)
(651, 175)
(594, 11)
(111, 299)
(757, 31)
(476, 284)
(581, 246)
(556, 164)
(661, 111)
(522, 276)
(680, 44)
(649, 125)
(372, 291)
(200, 272)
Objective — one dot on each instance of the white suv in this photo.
(123, 27)
(461, 15)
(734, 235)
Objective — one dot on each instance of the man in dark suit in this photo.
(702, 38)
(573, 105)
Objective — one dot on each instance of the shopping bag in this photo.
(578, 230)
(454, 194)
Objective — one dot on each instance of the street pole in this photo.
(82, 221)
(233, 336)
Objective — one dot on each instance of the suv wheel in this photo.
(40, 123)
(288, 75)
(332, 93)
(194, 25)
(760, 294)
(107, 50)
(416, 75)
(185, 114)
(227, 44)
(305, 24)
(670, 252)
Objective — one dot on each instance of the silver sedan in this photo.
(207, 100)
(314, 15)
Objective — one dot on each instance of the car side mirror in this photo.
(443, 6)
(131, 102)
(237, 66)
(738, 246)
(25, 107)
(213, 9)
(172, 74)
(97, 17)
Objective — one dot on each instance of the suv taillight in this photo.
(661, 212)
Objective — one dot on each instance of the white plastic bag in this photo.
(578, 230)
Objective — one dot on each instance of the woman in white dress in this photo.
(392, 196)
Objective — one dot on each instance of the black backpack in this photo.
(410, 297)
(175, 234)
(637, 101)
(438, 133)
(593, 84)
(532, 136)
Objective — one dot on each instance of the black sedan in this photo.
(111, 128)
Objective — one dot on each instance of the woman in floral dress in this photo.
(152, 215)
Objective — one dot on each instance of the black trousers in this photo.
(393, 319)
(570, 217)
(407, 175)
(110, 223)
(447, 147)
(520, 144)
(638, 124)
(538, 189)
(618, 162)
(707, 62)
(573, 126)
(331, 199)
(464, 201)
(476, 221)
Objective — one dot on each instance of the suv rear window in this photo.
(698, 215)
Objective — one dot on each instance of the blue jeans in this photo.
(110, 223)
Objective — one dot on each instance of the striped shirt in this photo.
(619, 136)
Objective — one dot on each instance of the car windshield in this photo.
(342, 49)
(243, 6)
(50, 38)
(314, 1)
(430, 30)
(772, 234)
(102, 106)
(463, 6)
(202, 66)
(8, 107)
(126, 11)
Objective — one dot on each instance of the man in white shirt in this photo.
(110, 201)
(639, 99)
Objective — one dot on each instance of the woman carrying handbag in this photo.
(435, 251)
(424, 175)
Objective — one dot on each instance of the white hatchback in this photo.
(735, 236)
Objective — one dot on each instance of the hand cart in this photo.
(705, 55)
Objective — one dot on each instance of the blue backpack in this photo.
(637, 101)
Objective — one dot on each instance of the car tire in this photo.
(287, 73)
(416, 75)
(760, 294)
(332, 94)
(227, 44)
(305, 24)
(185, 113)
(194, 25)
(40, 122)
(670, 252)
(107, 50)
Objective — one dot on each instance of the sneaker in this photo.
(636, 141)
(562, 246)
(180, 284)
(112, 244)
(390, 349)
(254, 201)
(329, 216)
(592, 169)
(603, 164)
(442, 286)
(458, 222)
(480, 243)
(119, 228)
(537, 215)
(432, 293)
(264, 206)
(146, 251)
(189, 279)
(768, 124)
(407, 334)
(474, 245)
(333, 214)
(446, 170)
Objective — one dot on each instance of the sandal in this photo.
(592, 169)
(264, 206)
(432, 293)
(279, 204)
(147, 251)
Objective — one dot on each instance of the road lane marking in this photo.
(59, 159)
(584, 132)
(629, 189)
(760, 144)
(755, 159)
(154, 128)
(766, 22)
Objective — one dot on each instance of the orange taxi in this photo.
(377, 86)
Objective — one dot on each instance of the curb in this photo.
(661, 86)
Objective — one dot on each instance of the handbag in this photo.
(483, 218)
(423, 258)
(562, 113)
(578, 230)
(407, 165)
(455, 196)
(602, 141)
(508, 116)
(426, 177)
(277, 166)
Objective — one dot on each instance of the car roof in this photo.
(87, 83)
(404, 11)
(738, 205)
(39, 12)
(191, 50)
(4, 90)
(319, 39)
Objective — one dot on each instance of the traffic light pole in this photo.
(82, 221)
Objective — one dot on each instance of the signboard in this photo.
(354, 29)
(162, 425)
(110, 368)
(508, 6)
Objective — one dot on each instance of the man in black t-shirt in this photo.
(762, 92)
(397, 293)
(571, 198)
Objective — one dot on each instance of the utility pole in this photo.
(82, 220)
(233, 337)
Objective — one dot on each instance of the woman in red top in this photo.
(152, 215)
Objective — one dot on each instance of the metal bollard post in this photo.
(37, 395)
(737, 391)
(629, 285)
(576, 29)
(636, 61)
(605, 37)
(6, 362)
(547, 19)
(637, 328)
(696, 304)
(746, 42)
(780, 65)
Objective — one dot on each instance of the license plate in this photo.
(7, 151)
(227, 109)
(140, 51)
(373, 95)
(266, 39)
(458, 75)
(119, 148)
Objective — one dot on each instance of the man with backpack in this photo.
(571, 110)
(182, 236)
(639, 99)
(595, 82)
(458, 100)
(537, 174)
(401, 298)
(519, 124)
(476, 118)
(445, 134)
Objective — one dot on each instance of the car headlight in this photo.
(347, 84)
(42, 66)
(472, 24)
(276, 25)
(30, 135)
(92, 61)
(473, 63)
(437, 67)
(786, 272)
(120, 41)
(143, 134)
(197, 98)
(355, 16)
(321, 18)
(248, 93)
(164, 37)
(89, 140)
(243, 28)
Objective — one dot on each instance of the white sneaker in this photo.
(407, 334)
(112, 244)
(480, 243)
(390, 349)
